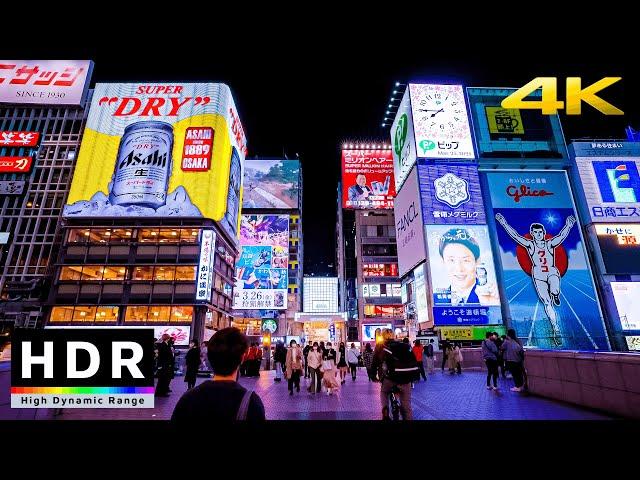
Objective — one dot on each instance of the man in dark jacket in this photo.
(165, 367)
(280, 358)
(305, 352)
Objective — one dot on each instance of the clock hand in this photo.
(437, 112)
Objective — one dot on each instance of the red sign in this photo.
(380, 270)
(19, 139)
(524, 191)
(198, 145)
(367, 179)
(15, 164)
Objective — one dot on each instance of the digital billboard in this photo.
(367, 179)
(44, 82)
(422, 305)
(409, 225)
(403, 142)
(463, 276)
(619, 247)
(262, 267)
(611, 187)
(369, 331)
(157, 150)
(451, 195)
(626, 295)
(546, 276)
(271, 184)
(440, 121)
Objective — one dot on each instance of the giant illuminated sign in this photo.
(626, 295)
(409, 225)
(619, 247)
(367, 179)
(271, 184)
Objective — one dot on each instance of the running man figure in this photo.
(544, 273)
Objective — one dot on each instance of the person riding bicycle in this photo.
(398, 368)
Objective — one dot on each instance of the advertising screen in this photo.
(422, 305)
(367, 179)
(626, 295)
(619, 247)
(271, 184)
(470, 333)
(380, 269)
(451, 195)
(369, 331)
(611, 187)
(262, 268)
(409, 225)
(463, 276)
(44, 82)
(157, 150)
(440, 121)
(546, 276)
(403, 142)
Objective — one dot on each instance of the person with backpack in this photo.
(399, 369)
(221, 399)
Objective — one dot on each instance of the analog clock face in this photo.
(440, 119)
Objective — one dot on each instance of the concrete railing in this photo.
(607, 381)
(471, 359)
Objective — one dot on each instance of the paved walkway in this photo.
(442, 397)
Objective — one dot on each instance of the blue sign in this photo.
(451, 194)
(618, 181)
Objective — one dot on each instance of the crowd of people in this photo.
(502, 353)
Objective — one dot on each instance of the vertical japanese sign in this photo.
(547, 279)
(403, 141)
(45, 82)
(204, 279)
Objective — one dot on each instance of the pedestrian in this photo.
(165, 364)
(305, 353)
(342, 362)
(192, 361)
(329, 377)
(293, 366)
(353, 355)
(257, 362)
(245, 369)
(418, 352)
(204, 361)
(279, 358)
(171, 342)
(490, 357)
(457, 351)
(367, 357)
(221, 399)
(445, 353)
(514, 357)
(428, 353)
(314, 359)
(499, 341)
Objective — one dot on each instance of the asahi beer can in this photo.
(143, 166)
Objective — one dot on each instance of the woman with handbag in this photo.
(329, 370)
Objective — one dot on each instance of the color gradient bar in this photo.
(82, 390)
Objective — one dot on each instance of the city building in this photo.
(150, 231)
(366, 235)
(43, 111)
(271, 243)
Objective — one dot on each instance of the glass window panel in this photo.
(61, 314)
(142, 273)
(120, 235)
(169, 235)
(100, 235)
(84, 314)
(159, 313)
(148, 235)
(114, 272)
(71, 273)
(186, 272)
(136, 313)
(92, 272)
(107, 314)
(181, 314)
(189, 235)
(78, 235)
(164, 273)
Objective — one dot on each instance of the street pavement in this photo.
(441, 397)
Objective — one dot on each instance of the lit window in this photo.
(148, 235)
(107, 314)
(164, 273)
(119, 235)
(84, 314)
(61, 314)
(92, 272)
(136, 314)
(186, 273)
(114, 273)
(168, 235)
(71, 273)
(181, 314)
(77, 235)
(142, 273)
(188, 235)
(159, 313)
(100, 235)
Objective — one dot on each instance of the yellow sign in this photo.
(456, 333)
(504, 120)
(160, 151)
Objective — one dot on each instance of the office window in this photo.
(78, 235)
(164, 273)
(84, 314)
(71, 273)
(136, 313)
(186, 273)
(114, 273)
(142, 273)
(149, 235)
(107, 314)
(169, 235)
(181, 314)
(189, 235)
(121, 235)
(159, 313)
(100, 235)
(61, 314)
(92, 272)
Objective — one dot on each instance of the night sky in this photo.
(305, 89)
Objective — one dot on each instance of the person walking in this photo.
(294, 366)
(490, 357)
(279, 358)
(353, 355)
(342, 362)
(314, 362)
(305, 353)
(514, 357)
(418, 352)
(192, 361)
(329, 370)
(428, 353)
(445, 353)
(165, 364)
(367, 357)
(457, 351)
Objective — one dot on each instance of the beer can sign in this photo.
(143, 166)
(198, 145)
